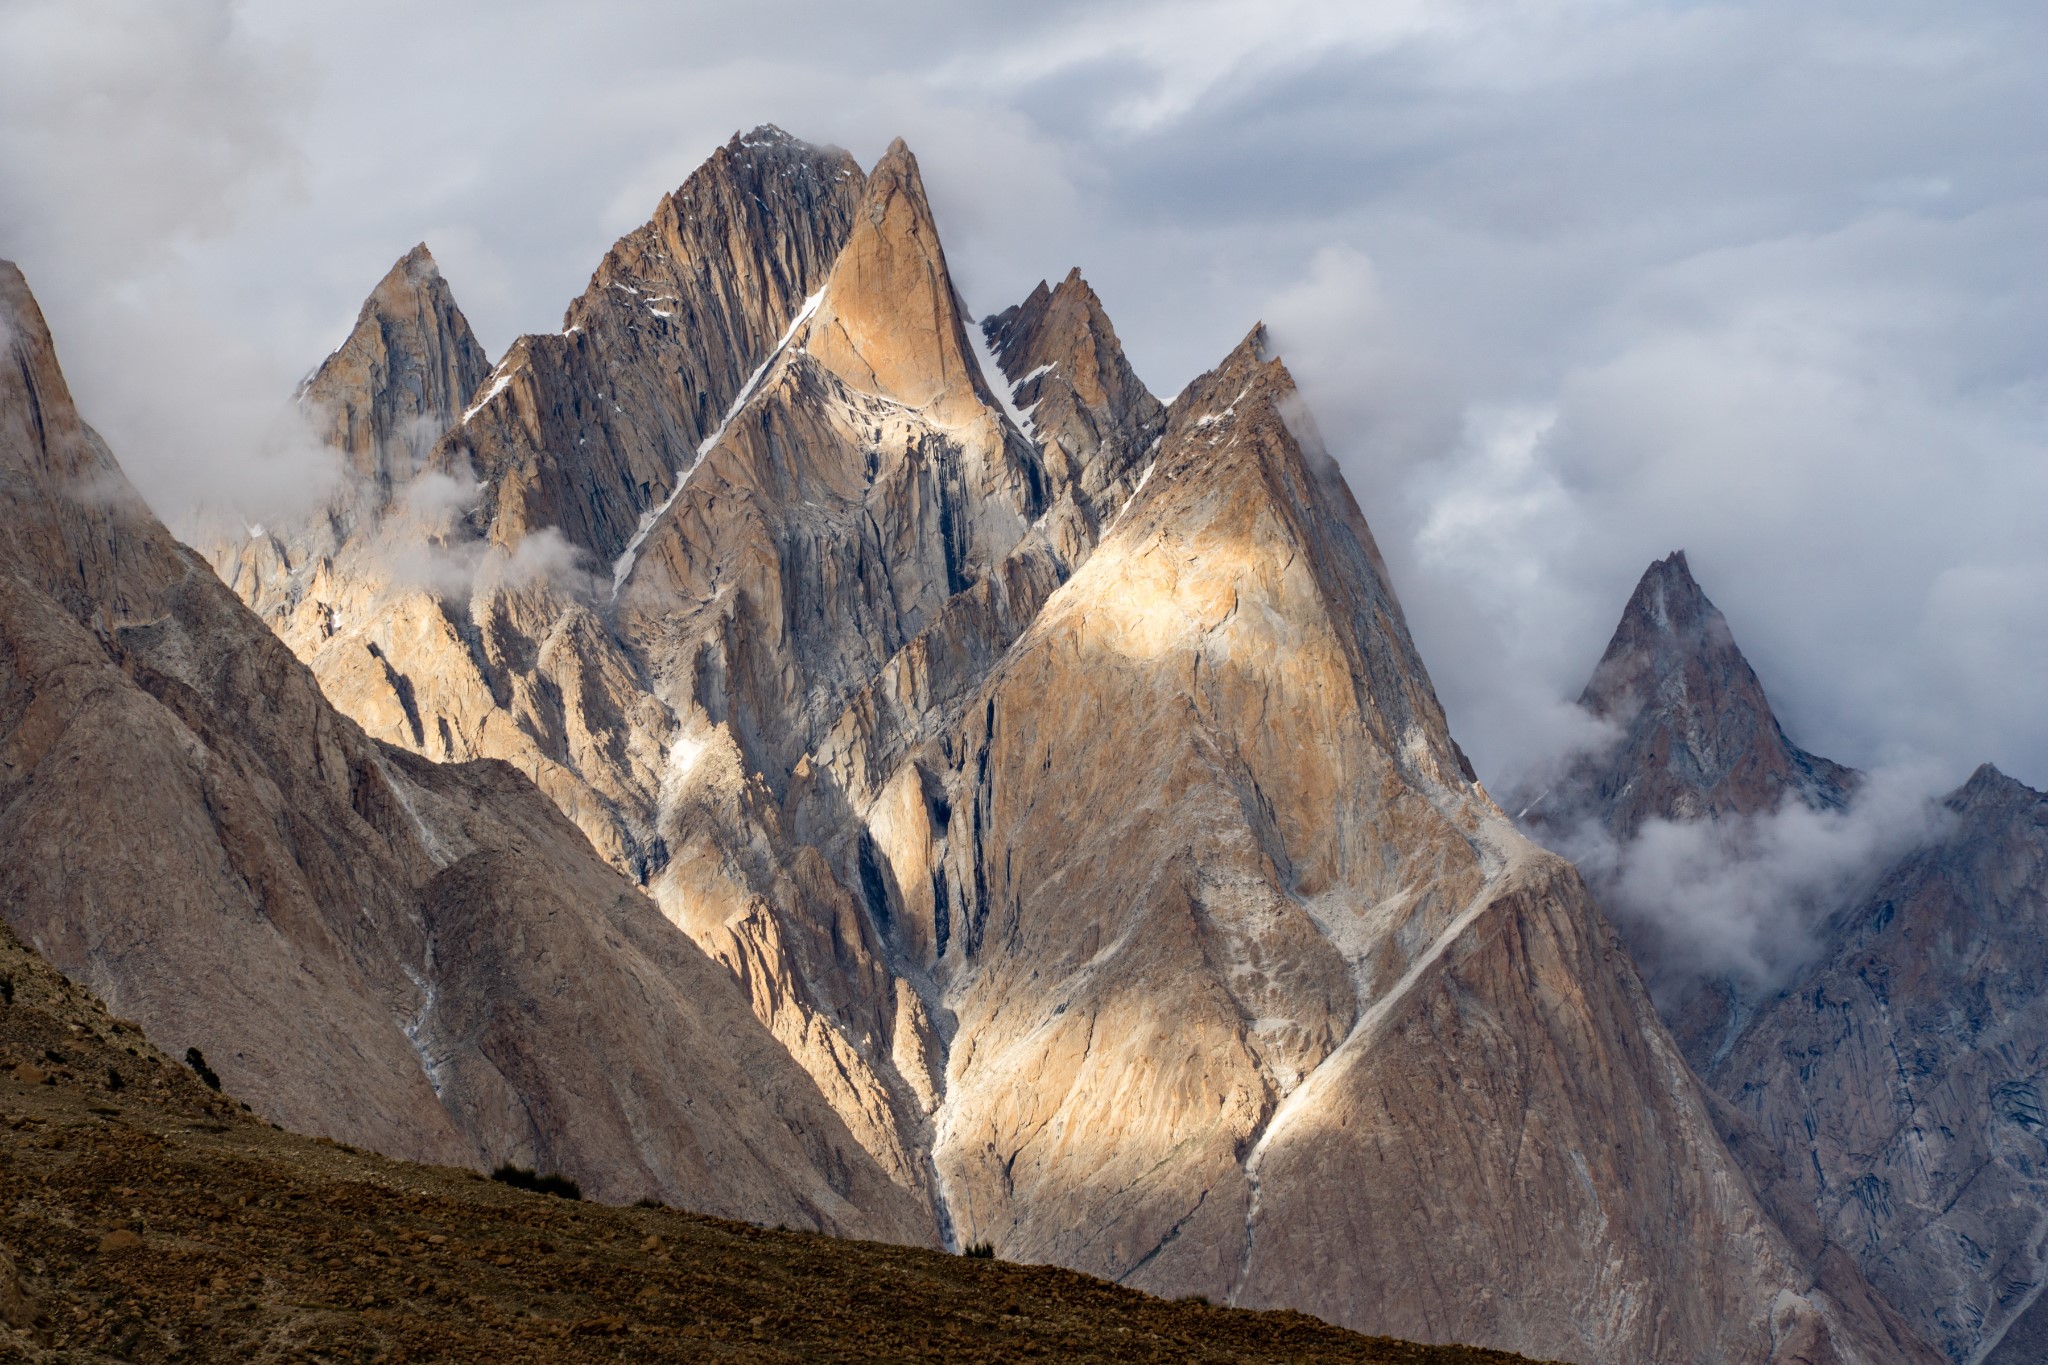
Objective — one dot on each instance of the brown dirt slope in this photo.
(147, 1218)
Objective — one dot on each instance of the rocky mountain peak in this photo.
(1697, 734)
(890, 320)
(1063, 337)
(68, 516)
(49, 442)
(587, 431)
(401, 378)
(1667, 617)
(349, 932)
(1076, 392)
(1073, 808)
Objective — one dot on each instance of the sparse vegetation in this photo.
(196, 1059)
(115, 1081)
(524, 1178)
(175, 1228)
(979, 1251)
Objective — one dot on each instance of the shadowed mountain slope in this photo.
(151, 1221)
(1883, 1087)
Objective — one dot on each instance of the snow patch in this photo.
(992, 375)
(1143, 479)
(499, 379)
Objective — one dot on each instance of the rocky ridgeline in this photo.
(1086, 861)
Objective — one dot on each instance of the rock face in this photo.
(1055, 774)
(426, 960)
(1208, 994)
(587, 431)
(1900, 1075)
(1884, 1091)
(402, 377)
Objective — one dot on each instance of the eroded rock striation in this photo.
(1054, 772)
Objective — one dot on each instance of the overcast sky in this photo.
(1569, 285)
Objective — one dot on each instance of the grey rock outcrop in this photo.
(1697, 738)
(1901, 1074)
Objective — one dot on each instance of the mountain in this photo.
(1693, 742)
(153, 1221)
(1053, 770)
(1697, 736)
(1885, 1084)
(427, 960)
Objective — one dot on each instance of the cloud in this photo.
(1745, 897)
(425, 542)
(132, 132)
(545, 557)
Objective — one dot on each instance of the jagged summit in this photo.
(588, 431)
(763, 135)
(1060, 342)
(1698, 736)
(1879, 1077)
(1075, 393)
(401, 378)
(1991, 781)
(889, 322)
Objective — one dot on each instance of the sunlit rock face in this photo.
(429, 960)
(1054, 773)
(1882, 1087)
(1211, 996)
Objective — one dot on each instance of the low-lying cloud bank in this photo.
(1745, 897)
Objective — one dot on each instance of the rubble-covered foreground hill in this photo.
(149, 1219)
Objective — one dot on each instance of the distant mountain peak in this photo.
(764, 135)
(1669, 602)
(1698, 737)
(420, 261)
(401, 378)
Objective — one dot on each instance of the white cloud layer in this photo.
(1568, 284)
(1745, 897)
